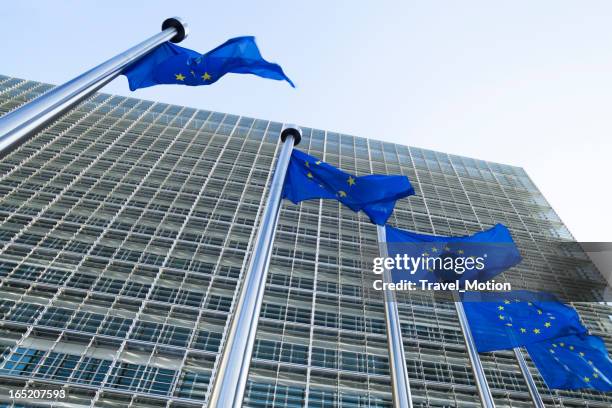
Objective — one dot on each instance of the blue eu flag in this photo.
(171, 64)
(573, 363)
(310, 178)
(480, 256)
(500, 321)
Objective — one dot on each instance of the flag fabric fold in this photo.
(501, 321)
(171, 64)
(436, 258)
(310, 178)
(573, 362)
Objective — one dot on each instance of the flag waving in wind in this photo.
(573, 362)
(171, 64)
(500, 321)
(310, 178)
(438, 258)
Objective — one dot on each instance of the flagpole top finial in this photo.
(291, 130)
(181, 28)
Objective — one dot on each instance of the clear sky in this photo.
(524, 83)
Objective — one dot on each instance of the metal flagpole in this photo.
(481, 380)
(233, 369)
(533, 389)
(400, 384)
(20, 124)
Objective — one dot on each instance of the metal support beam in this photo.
(400, 384)
(233, 369)
(533, 389)
(481, 380)
(22, 123)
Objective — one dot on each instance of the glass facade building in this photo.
(125, 227)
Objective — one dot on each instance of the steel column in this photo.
(22, 123)
(533, 389)
(233, 369)
(400, 384)
(481, 380)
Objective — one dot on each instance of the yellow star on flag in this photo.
(571, 347)
(206, 76)
(587, 379)
(350, 181)
(507, 302)
(595, 375)
(501, 317)
(500, 308)
(581, 354)
(461, 252)
(310, 175)
(318, 162)
(509, 324)
(523, 330)
(342, 193)
(536, 331)
(547, 324)
(179, 77)
(306, 164)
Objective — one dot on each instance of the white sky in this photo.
(524, 83)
